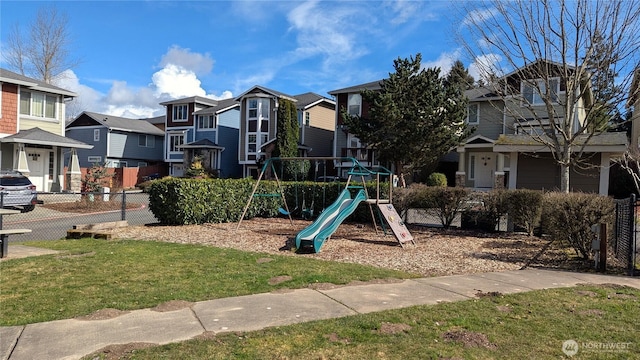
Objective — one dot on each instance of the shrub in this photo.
(444, 202)
(484, 209)
(437, 179)
(569, 217)
(525, 208)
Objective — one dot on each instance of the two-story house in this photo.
(346, 144)
(506, 151)
(208, 128)
(259, 123)
(117, 141)
(32, 128)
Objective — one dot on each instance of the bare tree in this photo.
(552, 43)
(44, 52)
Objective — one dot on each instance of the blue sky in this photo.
(136, 54)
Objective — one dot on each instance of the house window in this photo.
(96, 134)
(180, 112)
(307, 118)
(146, 140)
(534, 91)
(258, 114)
(94, 159)
(38, 104)
(354, 104)
(206, 122)
(175, 142)
(473, 114)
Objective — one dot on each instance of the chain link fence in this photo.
(58, 212)
(626, 246)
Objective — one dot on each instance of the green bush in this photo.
(483, 210)
(444, 202)
(437, 179)
(569, 217)
(525, 208)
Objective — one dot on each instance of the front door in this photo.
(485, 165)
(36, 160)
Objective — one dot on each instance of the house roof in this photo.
(37, 136)
(14, 78)
(156, 120)
(615, 142)
(202, 144)
(119, 123)
(310, 99)
(192, 99)
(374, 85)
(481, 94)
(222, 106)
(267, 91)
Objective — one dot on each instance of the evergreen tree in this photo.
(414, 119)
(604, 113)
(287, 138)
(460, 75)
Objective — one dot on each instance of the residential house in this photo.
(32, 129)
(346, 144)
(117, 141)
(503, 151)
(204, 127)
(259, 119)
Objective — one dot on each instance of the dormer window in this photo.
(534, 91)
(180, 112)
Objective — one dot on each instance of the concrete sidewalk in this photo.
(73, 338)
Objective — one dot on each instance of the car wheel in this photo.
(28, 208)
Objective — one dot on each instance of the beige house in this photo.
(32, 129)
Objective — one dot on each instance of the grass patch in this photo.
(530, 325)
(89, 275)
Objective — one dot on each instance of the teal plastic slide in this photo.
(329, 220)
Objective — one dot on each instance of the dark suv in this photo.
(17, 191)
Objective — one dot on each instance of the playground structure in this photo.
(328, 221)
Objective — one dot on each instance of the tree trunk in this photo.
(564, 178)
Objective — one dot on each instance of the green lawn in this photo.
(532, 325)
(89, 275)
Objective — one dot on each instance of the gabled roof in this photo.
(202, 144)
(222, 106)
(310, 99)
(156, 120)
(374, 85)
(14, 78)
(192, 99)
(267, 91)
(119, 123)
(481, 94)
(37, 136)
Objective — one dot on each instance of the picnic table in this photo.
(4, 233)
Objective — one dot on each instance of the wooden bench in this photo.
(4, 239)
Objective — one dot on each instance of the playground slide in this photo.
(329, 220)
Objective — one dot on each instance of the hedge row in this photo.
(180, 201)
(565, 217)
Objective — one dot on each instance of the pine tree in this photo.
(604, 112)
(414, 119)
(460, 75)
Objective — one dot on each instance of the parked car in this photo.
(17, 191)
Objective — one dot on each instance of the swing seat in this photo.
(283, 211)
(307, 214)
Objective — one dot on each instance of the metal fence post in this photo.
(123, 211)
(632, 247)
(1, 206)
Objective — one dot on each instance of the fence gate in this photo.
(626, 229)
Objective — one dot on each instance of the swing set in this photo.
(332, 216)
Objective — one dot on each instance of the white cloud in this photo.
(476, 17)
(484, 65)
(444, 61)
(176, 82)
(178, 78)
(327, 32)
(403, 10)
(200, 64)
